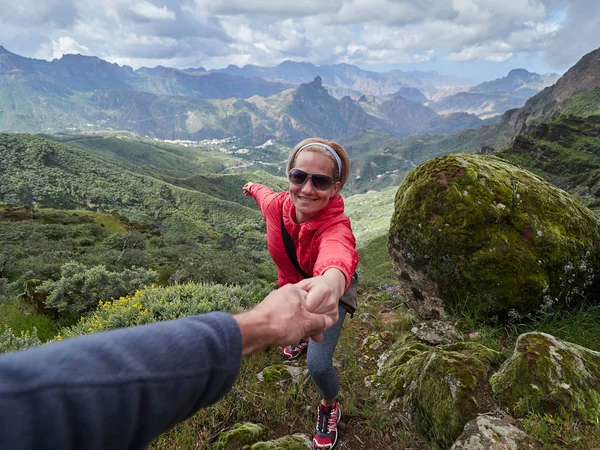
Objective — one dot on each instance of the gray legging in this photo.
(319, 359)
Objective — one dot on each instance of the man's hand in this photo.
(246, 189)
(280, 319)
(324, 292)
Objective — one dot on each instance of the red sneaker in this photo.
(293, 351)
(326, 434)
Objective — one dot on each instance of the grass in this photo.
(20, 316)
(579, 325)
(576, 325)
(290, 407)
(108, 221)
(554, 432)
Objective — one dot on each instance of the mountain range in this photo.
(84, 93)
(493, 98)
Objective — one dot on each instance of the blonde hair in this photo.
(336, 173)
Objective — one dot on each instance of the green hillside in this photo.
(150, 157)
(80, 207)
(228, 186)
(566, 152)
(370, 215)
(380, 161)
(36, 171)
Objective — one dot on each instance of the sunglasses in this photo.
(319, 181)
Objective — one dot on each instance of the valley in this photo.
(135, 176)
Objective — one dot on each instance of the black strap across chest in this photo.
(290, 248)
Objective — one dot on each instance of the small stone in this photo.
(366, 318)
(376, 346)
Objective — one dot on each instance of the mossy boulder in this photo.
(441, 388)
(547, 375)
(477, 232)
(239, 435)
(292, 442)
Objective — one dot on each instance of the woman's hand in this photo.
(324, 292)
(246, 189)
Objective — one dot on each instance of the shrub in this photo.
(7, 290)
(152, 304)
(9, 342)
(79, 289)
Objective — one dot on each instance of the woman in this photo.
(319, 255)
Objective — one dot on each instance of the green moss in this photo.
(371, 339)
(293, 442)
(495, 234)
(443, 388)
(278, 372)
(239, 435)
(547, 375)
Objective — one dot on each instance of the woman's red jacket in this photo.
(323, 242)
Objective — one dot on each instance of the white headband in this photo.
(329, 149)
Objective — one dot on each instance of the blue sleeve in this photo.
(119, 389)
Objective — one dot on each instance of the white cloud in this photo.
(579, 33)
(67, 45)
(531, 37)
(283, 8)
(148, 11)
(215, 33)
(492, 52)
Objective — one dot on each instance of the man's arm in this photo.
(121, 389)
(118, 389)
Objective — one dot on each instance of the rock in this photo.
(477, 232)
(366, 318)
(376, 346)
(436, 332)
(489, 432)
(547, 375)
(239, 435)
(439, 388)
(281, 372)
(292, 442)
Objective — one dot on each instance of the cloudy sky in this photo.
(482, 39)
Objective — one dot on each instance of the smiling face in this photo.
(308, 200)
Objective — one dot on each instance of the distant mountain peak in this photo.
(292, 64)
(318, 81)
(70, 57)
(583, 76)
(519, 73)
